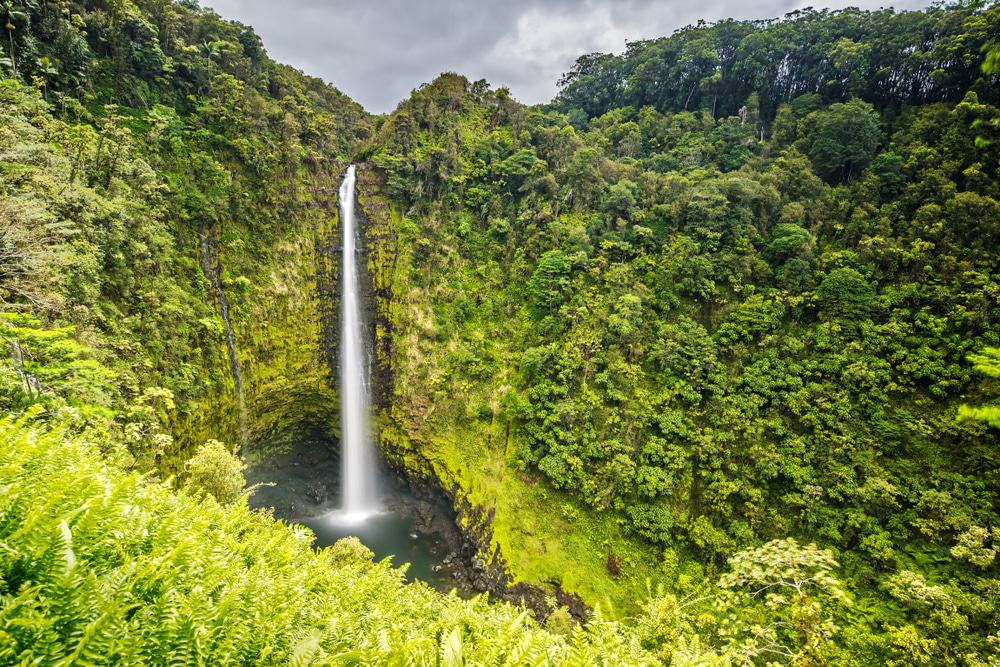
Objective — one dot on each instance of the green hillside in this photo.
(704, 352)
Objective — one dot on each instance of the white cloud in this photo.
(545, 43)
(377, 51)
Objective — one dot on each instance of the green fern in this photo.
(101, 567)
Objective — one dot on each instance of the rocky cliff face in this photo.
(282, 322)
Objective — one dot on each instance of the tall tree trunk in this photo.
(688, 100)
(13, 58)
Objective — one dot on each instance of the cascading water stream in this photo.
(212, 271)
(374, 507)
(359, 474)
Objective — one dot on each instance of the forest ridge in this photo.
(709, 342)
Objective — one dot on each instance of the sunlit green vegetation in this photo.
(100, 567)
(651, 328)
(710, 341)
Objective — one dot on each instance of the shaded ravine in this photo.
(428, 521)
(301, 485)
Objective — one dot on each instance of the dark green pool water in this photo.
(300, 485)
(389, 535)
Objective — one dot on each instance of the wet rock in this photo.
(317, 492)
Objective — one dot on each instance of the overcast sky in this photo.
(377, 51)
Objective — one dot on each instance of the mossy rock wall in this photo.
(284, 305)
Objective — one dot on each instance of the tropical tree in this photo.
(842, 139)
(795, 583)
(845, 295)
(13, 12)
(217, 471)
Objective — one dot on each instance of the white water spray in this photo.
(358, 460)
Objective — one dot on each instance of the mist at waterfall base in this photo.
(357, 497)
(393, 534)
(304, 487)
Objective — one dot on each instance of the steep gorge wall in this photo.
(283, 308)
(193, 196)
(204, 308)
(421, 456)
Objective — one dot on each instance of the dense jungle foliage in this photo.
(713, 338)
(157, 164)
(735, 285)
(164, 187)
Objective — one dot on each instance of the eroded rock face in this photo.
(280, 325)
(475, 563)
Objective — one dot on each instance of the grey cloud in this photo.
(377, 51)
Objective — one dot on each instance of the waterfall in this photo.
(214, 275)
(358, 460)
